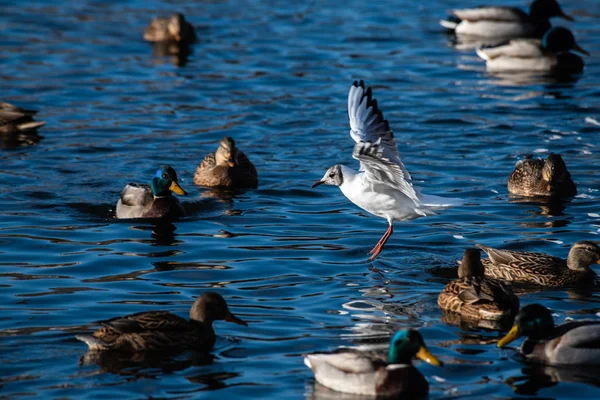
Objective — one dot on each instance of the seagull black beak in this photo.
(317, 183)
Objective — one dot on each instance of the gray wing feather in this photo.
(368, 125)
(509, 14)
(135, 195)
(517, 48)
(380, 170)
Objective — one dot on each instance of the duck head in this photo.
(560, 40)
(547, 9)
(227, 153)
(175, 26)
(471, 266)
(533, 321)
(211, 307)
(554, 168)
(165, 181)
(408, 343)
(583, 254)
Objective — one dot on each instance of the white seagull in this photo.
(382, 186)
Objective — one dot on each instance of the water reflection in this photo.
(162, 233)
(144, 365)
(536, 377)
(178, 53)
(468, 324)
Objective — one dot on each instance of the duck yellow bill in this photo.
(317, 183)
(232, 318)
(177, 189)
(425, 355)
(513, 334)
(579, 49)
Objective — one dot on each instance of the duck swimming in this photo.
(228, 167)
(549, 55)
(174, 28)
(537, 177)
(540, 268)
(154, 200)
(505, 22)
(372, 373)
(476, 297)
(571, 343)
(157, 330)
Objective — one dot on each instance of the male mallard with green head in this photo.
(505, 22)
(157, 330)
(228, 167)
(154, 200)
(371, 373)
(170, 29)
(551, 55)
(571, 343)
(476, 297)
(540, 268)
(537, 177)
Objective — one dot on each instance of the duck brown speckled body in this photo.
(228, 167)
(537, 177)
(476, 297)
(156, 330)
(540, 268)
(174, 28)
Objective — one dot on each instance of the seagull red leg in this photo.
(379, 246)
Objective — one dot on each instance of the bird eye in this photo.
(331, 175)
(164, 176)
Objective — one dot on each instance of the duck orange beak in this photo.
(229, 317)
(317, 183)
(425, 355)
(512, 335)
(231, 162)
(175, 188)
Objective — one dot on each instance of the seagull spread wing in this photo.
(368, 125)
(380, 170)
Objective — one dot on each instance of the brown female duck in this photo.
(542, 269)
(228, 167)
(537, 177)
(475, 297)
(15, 119)
(174, 28)
(155, 330)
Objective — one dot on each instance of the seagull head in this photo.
(333, 177)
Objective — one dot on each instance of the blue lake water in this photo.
(290, 260)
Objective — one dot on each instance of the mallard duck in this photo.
(475, 297)
(174, 28)
(537, 177)
(549, 55)
(370, 373)
(505, 22)
(228, 167)
(540, 268)
(17, 120)
(571, 343)
(154, 200)
(156, 330)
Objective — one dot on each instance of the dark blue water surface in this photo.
(290, 260)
